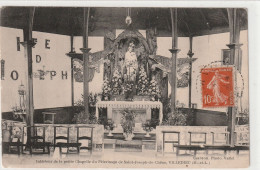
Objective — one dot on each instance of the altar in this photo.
(146, 105)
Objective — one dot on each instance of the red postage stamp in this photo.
(217, 87)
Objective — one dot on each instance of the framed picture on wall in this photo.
(226, 57)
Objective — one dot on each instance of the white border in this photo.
(254, 46)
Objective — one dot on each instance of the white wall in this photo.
(56, 92)
(47, 93)
(14, 60)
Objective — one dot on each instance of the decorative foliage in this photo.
(116, 83)
(92, 99)
(106, 89)
(80, 117)
(142, 84)
(128, 121)
(154, 89)
(78, 70)
(129, 87)
(149, 125)
(109, 124)
(179, 118)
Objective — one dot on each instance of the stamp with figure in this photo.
(217, 87)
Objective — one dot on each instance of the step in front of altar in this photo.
(128, 146)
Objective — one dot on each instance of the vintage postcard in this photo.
(124, 87)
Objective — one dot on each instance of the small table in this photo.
(45, 114)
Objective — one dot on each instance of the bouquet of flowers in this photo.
(143, 83)
(106, 89)
(129, 87)
(109, 124)
(154, 89)
(147, 126)
(116, 83)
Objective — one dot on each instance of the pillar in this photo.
(85, 51)
(190, 54)
(234, 27)
(28, 44)
(174, 52)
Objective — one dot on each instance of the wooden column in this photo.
(190, 54)
(71, 66)
(234, 27)
(174, 52)
(28, 44)
(85, 51)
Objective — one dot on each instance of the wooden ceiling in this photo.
(69, 20)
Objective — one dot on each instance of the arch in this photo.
(129, 34)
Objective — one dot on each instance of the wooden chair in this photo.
(66, 144)
(37, 141)
(16, 141)
(216, 141)
(89, 139)
(174, 142)
(198, 142)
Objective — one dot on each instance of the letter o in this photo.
(14, 75)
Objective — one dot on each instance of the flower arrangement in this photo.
(116, 83)
(129, 87)
(147, 126)
(106, 89)
(154, 89)
(177, 118)
(142, 84)
(80, 117)
(92, 99)
(128, 122)
(109, 124)
(19, 112)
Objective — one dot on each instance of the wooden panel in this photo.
(210, 118)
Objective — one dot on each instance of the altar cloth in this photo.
(130, 104)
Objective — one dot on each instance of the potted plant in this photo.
(127, 123)
(109, 125)
(149, 125)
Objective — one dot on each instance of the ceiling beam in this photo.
(185, 23)
(224, 16)
(205, 19)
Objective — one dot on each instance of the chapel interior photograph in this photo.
(118, 84)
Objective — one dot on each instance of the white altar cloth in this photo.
(148, 105)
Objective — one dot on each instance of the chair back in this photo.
(64, 136)
(87, 137)
(38, 134)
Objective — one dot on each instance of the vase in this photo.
(147, 135)
(128, 136)
(110, 133)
